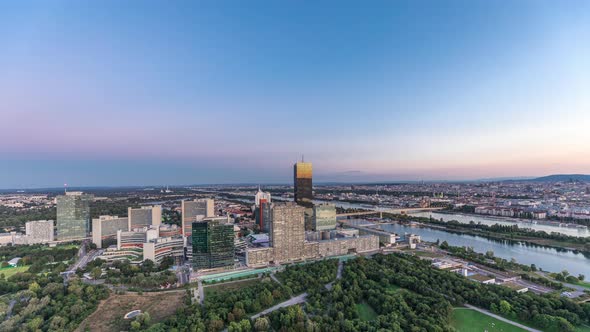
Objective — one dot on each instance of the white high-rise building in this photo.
(261, 195)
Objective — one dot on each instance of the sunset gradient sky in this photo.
(187, 92)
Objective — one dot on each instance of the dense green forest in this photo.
(37, 299)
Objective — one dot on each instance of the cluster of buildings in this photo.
(283, 232)
(300, 230)
(530, 213)
(480, 276)
(36, 232)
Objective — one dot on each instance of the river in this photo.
(549, 259)
(486, 220)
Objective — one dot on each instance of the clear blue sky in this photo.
(182, 92)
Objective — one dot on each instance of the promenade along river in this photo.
(548, 259)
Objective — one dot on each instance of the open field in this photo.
(467, 320)
(230, 285)
(10, 271)
(583, 328)
(109, 314)
(365, 311)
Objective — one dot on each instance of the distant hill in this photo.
(562, 178)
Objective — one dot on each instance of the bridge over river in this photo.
(392, 211)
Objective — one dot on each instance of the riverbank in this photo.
(575, 244)
(516, 220)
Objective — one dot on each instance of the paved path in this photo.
(485, 312)
(273, 277)
(292, 301)
(201, 293)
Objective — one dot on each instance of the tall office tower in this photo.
(287, 232)
(302, 173)
(212, 244)
(73, 215)
(144, 216)
(324, 217)
(261, 195)
(263, 215)
(205, 208)
(40, 231)
(105, 228)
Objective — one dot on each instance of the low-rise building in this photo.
(159, 248)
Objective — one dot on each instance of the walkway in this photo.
(292, 301)
(485, 312)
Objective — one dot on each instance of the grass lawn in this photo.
(468, 320)
(583, 328)
(230, 286)
(10, 271)
(365, 311)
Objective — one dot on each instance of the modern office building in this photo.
(212, 244)
(303, 186)
(144, 216)
(193, 211)
(288, 244)
(263, 215)
(159, 248)
(135, 238)
(261, 195)
(324, 217)
(105, 228)
(73, 215)
(39, 231)
(287, 231)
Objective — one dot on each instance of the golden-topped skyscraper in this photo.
(302, 174)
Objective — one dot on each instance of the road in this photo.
(485, 312)
(297, 299)
(576, 287)
(292, 301)
(201, 292)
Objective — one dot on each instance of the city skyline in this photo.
(107, 94)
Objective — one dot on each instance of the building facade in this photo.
(191, 211)
(39, 231)
(73, 215)
(105, 228)
(287, 232)
(135, 238)
(324, 217)
(303, 185)
(263, 215)
(144, 216)
(212, 244)
(261, 195)
(158, 249)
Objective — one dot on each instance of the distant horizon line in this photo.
(155, 186)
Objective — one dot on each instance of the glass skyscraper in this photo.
(73, 215)
(213, 244)
(303, 184)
